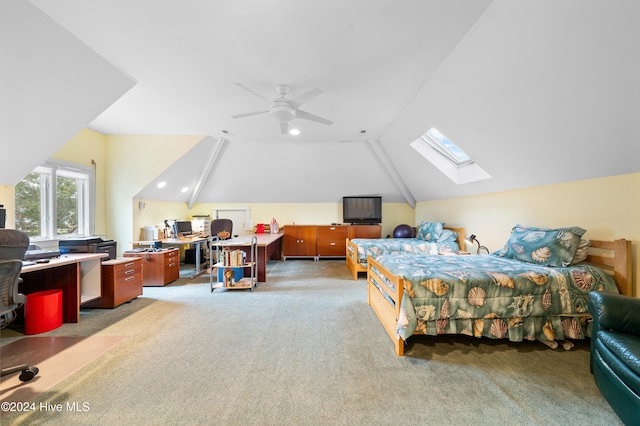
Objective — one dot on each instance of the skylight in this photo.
(448, 158)
(445, 147)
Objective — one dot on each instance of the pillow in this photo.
(430, 231)
(447, 235)
(543, 246)
(581, 251)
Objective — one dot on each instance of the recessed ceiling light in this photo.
(161, 185)
(185, 189)
(294, 132)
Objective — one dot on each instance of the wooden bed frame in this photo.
(352, 253)
(612, 256)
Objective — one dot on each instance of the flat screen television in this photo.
(362, 209)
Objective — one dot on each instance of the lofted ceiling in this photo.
(530, 91)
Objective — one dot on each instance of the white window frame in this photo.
(448, 158)
(49, 172)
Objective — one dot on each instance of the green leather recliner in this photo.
(615, 352)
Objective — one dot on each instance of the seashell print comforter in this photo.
(495, 297)
(375, 247)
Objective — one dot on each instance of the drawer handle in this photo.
(171, 265)
(129, 279)
(130, 271)
(333, 229)
(129, 265)
(333, 244)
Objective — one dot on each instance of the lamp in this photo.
(472, 239)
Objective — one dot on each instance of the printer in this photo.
(89, 245)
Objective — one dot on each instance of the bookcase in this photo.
(231, 265)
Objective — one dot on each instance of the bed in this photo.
(359, 249)
(492, 295)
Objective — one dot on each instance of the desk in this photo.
(77, 275)
(269, 247)
(197, 242)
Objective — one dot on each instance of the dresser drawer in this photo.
(172, 257)
(332, 248)
(333, 233)
(128, 269)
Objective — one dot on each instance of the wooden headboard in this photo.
(614, 257)
(461, 240)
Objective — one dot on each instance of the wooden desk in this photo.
(269, 247)
(77, 275)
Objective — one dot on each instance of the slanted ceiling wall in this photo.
(536, 93)
(51, 85)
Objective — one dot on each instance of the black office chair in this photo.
(13, 245)
(222, 229)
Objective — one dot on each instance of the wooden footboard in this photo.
(352, 260)
(382, 286)
(614, 257)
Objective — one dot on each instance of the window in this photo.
(55, 201)
(448, 158)
(444, 146)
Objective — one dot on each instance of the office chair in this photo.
(13, 245)
(222, 228)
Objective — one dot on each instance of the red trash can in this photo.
(43, 311)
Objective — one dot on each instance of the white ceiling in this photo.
(517, 85)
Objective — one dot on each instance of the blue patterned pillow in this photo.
(430, 231)
(542, 246)
(447, 235)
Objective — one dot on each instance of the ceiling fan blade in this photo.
(308, 116)
(252, 92)
(284, 127)
(248, 114)
(306, 97)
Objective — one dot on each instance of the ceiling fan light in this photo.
(281, 111)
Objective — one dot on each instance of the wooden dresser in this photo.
(324, 240)
(159, 268)
(121, 282)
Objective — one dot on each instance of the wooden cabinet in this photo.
(121, 282)
(158, 267)
(323, 240)
(365, 231)
(332, 240)
(299, 240)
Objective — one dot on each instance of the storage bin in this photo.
(43, 311)
(238, 273)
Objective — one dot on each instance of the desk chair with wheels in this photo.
(13, 245)
(221, 228)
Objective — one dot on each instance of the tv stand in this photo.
(318, 241)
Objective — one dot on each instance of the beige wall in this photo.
(155, 212)
(608, 208)
(8, 200)
(132, 163)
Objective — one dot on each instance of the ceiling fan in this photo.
(283, 109)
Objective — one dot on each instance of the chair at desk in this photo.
(221, 228)
(13, 245)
